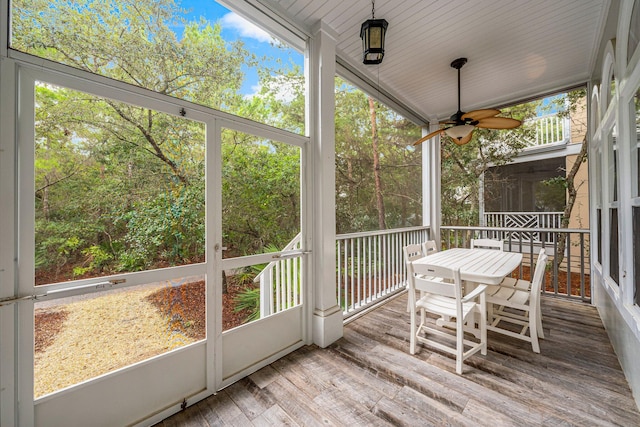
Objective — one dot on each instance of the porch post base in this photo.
(327, 326)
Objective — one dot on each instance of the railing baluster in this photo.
(376, 267)
(555, 266)
(582, 293)
(369, 275)
(339, 251)
(568, 249)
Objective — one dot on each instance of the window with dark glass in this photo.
(615, 172)
(599, 231)
(636, 255)
(526, 187)
(614, 257)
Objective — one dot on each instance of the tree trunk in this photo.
(376, 165)
(571, 200)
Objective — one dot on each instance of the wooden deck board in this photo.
(369, 378)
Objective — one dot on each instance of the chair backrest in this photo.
(538, 274)
(441, 281)
(429, 247)
(487, 244)
(412, 253)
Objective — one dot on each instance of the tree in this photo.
(121, 187)
(363, 201)
(376, 165)
(575, 101)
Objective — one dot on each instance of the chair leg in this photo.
(483, 324)
(540, 331)
(533, 330)
(459, 345)
(412, 339)
(490, 313)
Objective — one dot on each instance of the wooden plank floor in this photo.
(369, 378)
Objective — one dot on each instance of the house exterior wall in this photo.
(623, 339)
(613, 153)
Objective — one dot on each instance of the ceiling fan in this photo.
(463, 124)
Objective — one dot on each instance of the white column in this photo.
(8, 256)
(327, 315)
(481, 220)
(431, 186)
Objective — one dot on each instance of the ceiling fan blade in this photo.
(480, 114)
(464, 140)
(498, 123)
(429, 136)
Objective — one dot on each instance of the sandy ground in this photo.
(102, 334)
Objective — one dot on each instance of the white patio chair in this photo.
(443, 297)
(519, 304)
(487, 244)
(413, 252)
(429, 247)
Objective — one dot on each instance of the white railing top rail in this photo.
(513, 229)
(543, 117)
(524, 213)
(379, 232)
(291, 245)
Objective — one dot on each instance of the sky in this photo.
(235, 27)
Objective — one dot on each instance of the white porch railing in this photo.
(280, 282)
(548, 129)
(370, 266)
(568, 274)
(520, 220)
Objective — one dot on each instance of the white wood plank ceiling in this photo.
(516, 48)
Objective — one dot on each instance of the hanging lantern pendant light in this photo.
(372, 34)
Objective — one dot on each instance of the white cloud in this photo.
(283, 90)
(245, 28)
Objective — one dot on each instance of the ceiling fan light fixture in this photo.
(464, 123)
(372, 33)
(459, 132)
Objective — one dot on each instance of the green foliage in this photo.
(168, 229)
(249, 299)
(129, 180)
(134, 41)
(260, 193)
(462, 166)
(121, 188)
(400, 165)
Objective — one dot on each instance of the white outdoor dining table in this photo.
(485, 266)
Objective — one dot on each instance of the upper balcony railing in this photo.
(548, 129)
